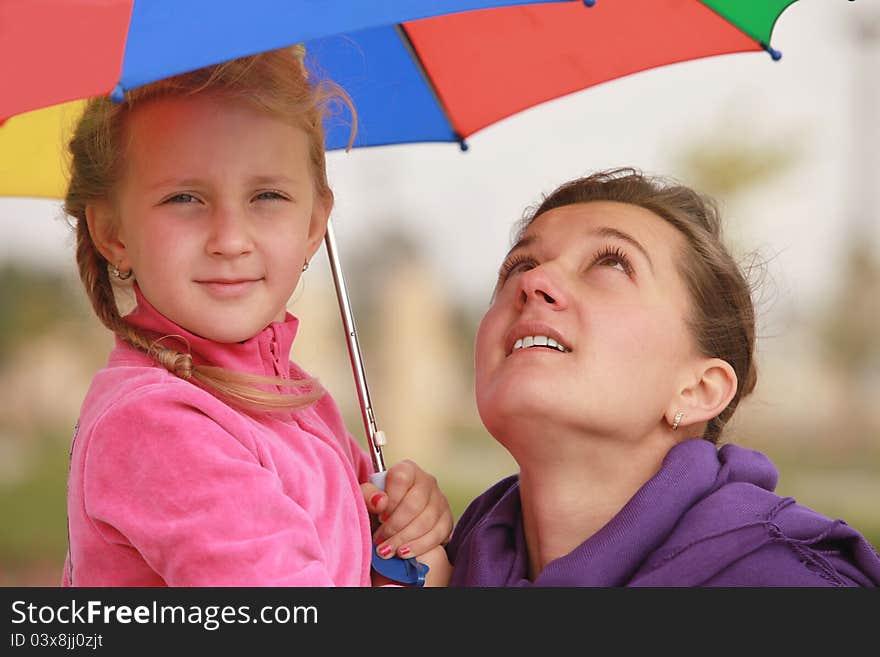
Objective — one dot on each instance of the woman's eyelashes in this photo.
(608, 256)
(515, 263)
(615, 257)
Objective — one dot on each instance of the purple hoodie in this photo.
(709, 517)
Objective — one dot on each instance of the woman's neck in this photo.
(567, 499)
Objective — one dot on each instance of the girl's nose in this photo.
(230, 234)
(539, 286)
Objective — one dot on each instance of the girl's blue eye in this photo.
(269, 196)
(182, 198)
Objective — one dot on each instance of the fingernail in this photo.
(384, 551)
(383, 517)
(378, 538)
(376, 499)
(404, 551)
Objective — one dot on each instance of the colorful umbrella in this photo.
(441, 78)
(417, 70)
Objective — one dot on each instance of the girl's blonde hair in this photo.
(276, 82)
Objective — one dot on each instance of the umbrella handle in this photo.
(405, 571)
(375, 438)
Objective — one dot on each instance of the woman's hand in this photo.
(414, 512)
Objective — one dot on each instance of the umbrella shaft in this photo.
(354, 351)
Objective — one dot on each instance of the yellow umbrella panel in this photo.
(33, 151)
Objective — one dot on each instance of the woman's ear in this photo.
(712, 387)
(102, 228)
(321, 209)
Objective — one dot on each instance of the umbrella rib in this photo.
(414, 53)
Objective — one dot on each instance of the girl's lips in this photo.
(229, 289)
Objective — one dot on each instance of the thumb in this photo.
(375, 498)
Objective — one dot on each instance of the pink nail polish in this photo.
(404, 551)
(384, 551)
(375, 499)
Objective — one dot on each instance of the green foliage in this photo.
(31, 302)
(725, 164)
(33, 507)
(851, 324)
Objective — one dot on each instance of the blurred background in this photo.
(788, 148)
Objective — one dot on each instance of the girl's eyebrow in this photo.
(198, 182)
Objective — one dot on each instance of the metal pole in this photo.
(375, 438)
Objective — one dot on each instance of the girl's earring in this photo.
(122, 276)
(677, 420)
(305, 265)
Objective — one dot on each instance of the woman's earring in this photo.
(122, 276)
(306, 265)
(677, 420)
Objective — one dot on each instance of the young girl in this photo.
(203, 456)
(619, 342)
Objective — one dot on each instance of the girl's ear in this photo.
(102, 228)
(321, 209)
(710, 391)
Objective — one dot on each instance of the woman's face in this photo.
(596, 287)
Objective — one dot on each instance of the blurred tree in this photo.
(31, 303)
(850, 324)
(732, 158)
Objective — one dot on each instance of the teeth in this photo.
(538, 341)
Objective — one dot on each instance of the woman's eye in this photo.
(613, 261)
(615, 258)
(515, 266)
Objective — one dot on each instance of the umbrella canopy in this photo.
(414, 75)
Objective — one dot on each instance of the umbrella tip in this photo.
(463, 145)
(775, 55)
(590, 3)
(118, 94)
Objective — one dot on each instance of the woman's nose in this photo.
(230, 233)
(539, 286)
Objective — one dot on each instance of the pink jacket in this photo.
(169, 486)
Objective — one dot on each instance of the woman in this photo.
(619, 342)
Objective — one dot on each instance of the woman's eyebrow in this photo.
(607, 231)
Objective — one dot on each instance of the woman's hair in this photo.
(275, 82)
(722, 318)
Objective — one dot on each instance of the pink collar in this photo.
(255, 355)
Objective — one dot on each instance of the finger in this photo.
(434, 538)
(399, 479)
(429, 528)
(421, 494)
(375, 499)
